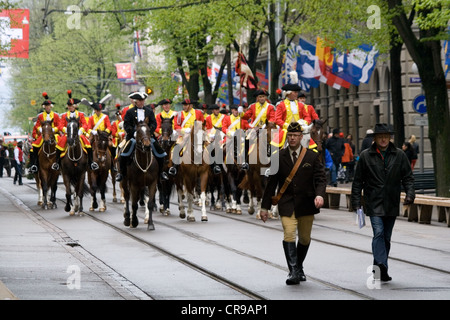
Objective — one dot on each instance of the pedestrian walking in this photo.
(380, 172)
(410, 153)
(335, 146)
(3, 156)
(301, 186)
(347, 160)
(367, 141)
(18, 162)
(415, 147)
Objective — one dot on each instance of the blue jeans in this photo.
(381, 242)
(333, 174)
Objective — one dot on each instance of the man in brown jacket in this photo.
(301, 200)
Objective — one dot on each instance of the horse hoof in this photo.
(167, 212)
(191, 219)
(258, 216)
(251, 211)
(126, 222)
(151, 227)
(102, 210)
(182, 215)
(238, 211)
(71, 213)
(39, 203)
(114, 200)
(122, 201)
(67, 208)
(134, 223)
(204, 218)
(161, 210)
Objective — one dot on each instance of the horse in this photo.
(142, 175)
(98, 178)
(260, 163)
(47, 156)
(165, 186)
(73, 168)
(192, 168)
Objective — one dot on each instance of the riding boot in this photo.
(173, 170)
(123, 168)
(290, 251)
(113, 151)
(91, 163)
(162, 174)
(34, 156)
(216, 168)
(57, 164)
(301, 255)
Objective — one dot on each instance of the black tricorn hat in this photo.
(294, 127)
(213, 107)
(138, 95)
(382, 128)
(291, 87)
(164, 101)
(189, 101)
(97, 106)
(260, 92)
(71, 100)
(47, 101)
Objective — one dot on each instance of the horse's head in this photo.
(143, 136)
(166, 131)
(72, 131)
(317, 133)
(47, 132)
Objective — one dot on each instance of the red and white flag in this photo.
(124, 71)
(245, 73)
(14, 33)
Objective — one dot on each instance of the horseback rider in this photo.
(166, 113)
(46, 115)
(185, 123)
(73, 114)
(213, 124)
(134, 115)
(306, 111)
(117, 133)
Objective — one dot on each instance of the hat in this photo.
(260, 92)
(291, 87)
(335, 131)
(382, 128)
(295, 127)
(369, 131)
(233, 106)
(188, 101)
(138, 95)
(97, 106)
(71, 100)
(47, 101)
(213, 107)
(164, 101)
(301, 95)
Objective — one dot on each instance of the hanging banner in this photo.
(14, 33)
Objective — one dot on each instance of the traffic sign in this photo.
(421, 121)
(419, 104)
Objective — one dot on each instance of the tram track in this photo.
(232, 284)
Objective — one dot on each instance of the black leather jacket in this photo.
(381, 180)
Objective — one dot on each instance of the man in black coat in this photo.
(380, 172)
(133, 116)
(336, 147)
(302, 199)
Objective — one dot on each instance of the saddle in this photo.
(130, 145)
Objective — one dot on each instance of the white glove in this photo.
(240, 109)
(121, 124)
(55, 130)
(40, 129)
(80, 132)
(94, 132)
(187, 130)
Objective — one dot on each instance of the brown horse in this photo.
(192, 168)
(73, 168)
(142, 175)
(98, 178)
(261, 163)
(47, 156)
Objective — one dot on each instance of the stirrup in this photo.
(245, 166)
(119, 177)
(94, 166)
(34, 168)
(55, 166)
(164, 176)
(172, 171)
(217, 169)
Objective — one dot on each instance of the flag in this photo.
(15, 33)
(326, 59)
(124, 71)
(446, 57)
(247, 79)
(357, 65)
(308, 67)
(137, 45)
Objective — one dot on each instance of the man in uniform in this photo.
(213, 125)
(98, 121)
(166, 113)
(306, 111)
(260, 111)
(46, 115)
(134, 115)
(117, 133)
(73, 113)
(184, 123)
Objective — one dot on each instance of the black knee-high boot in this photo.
(57, 165)
(301, 255)
(91, 163)
(34, 157)
(290, 251)
(123, 162)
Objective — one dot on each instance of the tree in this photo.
(425, 49)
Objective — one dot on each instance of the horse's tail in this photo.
(86, 189)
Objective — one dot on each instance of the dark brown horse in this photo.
(73, 168)
(142, 175)
(47, 156)
(98, 178)
(165, 186)
(193, 168)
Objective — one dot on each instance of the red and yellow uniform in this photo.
(187, 119)
(232, 123)
(258, 114)
(83, 128)
(307, 113)
(164, 115)
(99, 122)
(42, 117)
(117, 133)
